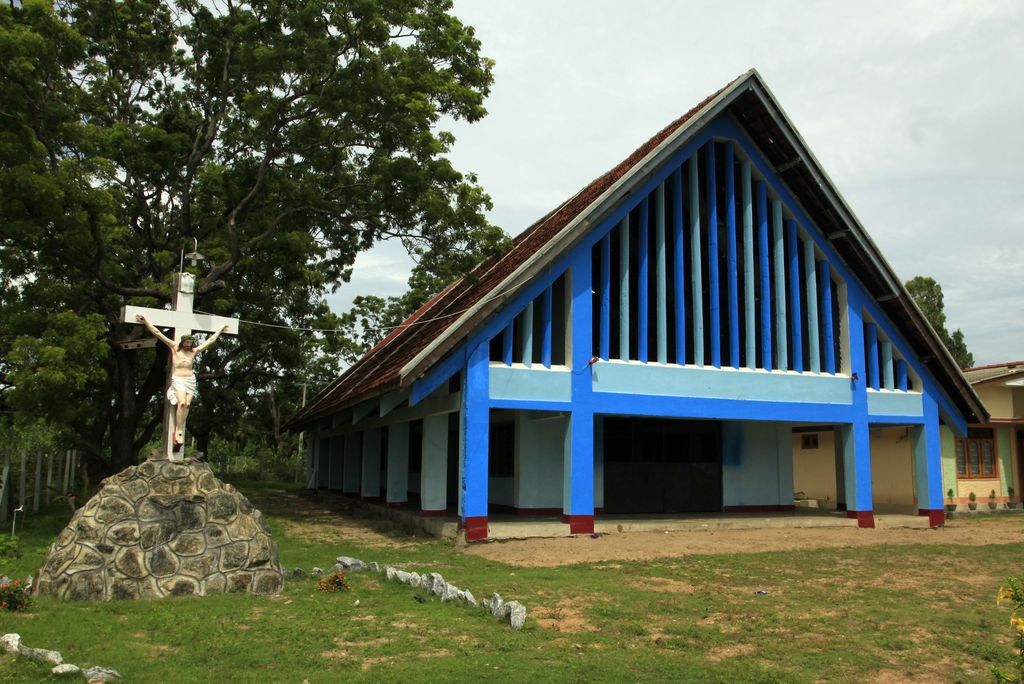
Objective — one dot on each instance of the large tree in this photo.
(927, 294)
(284, 136)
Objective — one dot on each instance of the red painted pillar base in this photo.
(864, 518)
(580, 524)
(936, 517)
(476, 527)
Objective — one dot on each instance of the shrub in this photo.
(333, 582)
(1013, 593)
(9, 547)
(13, 596)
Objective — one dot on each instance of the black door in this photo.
(662, 466)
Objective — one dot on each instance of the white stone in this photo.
(437, 584)
(494, 605)
(11, 642)
(449, 592)
(516, 614)
(101, 673)
(41, 655)
(469, 598)
(374, 566)
(389, 572)
(66, 669)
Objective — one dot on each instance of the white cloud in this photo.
(911, 108)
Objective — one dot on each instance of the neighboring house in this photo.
(990, 457)
(705, 327)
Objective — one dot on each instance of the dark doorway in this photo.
(654, 465)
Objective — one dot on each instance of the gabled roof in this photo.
(993, 372)
(447, 319)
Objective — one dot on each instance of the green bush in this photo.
(13, 596)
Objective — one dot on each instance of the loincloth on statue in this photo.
(186, 384)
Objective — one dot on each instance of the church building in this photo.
(704, 328)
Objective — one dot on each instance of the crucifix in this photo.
(182, 321)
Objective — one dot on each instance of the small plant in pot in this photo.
(950, 501)
(992, 500)
(972, 501)
(1011, 502)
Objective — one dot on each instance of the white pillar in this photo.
(370, 486)
(398, 463)
(434, 473)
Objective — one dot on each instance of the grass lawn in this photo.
(882, 613)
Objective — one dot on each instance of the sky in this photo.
(912, 108)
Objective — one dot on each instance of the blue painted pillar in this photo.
(661, 278)
(642, 308)
(578, 462)
(731, 275)
(527, 341)
(604, 344)
(545, 308)
(474, 435)
(826, 318)
(766, 287)
(679, 273)
(506, 342)
(855, 437)
(928, 464)
(778, 244)
(872, 355)
(714, 298)
(813, 334)
(795, 313)
(887, 379)
(750, 327)
(901, 375)
(624, 288)
(434, 472)
(696, 274)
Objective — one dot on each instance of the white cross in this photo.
(182, 321)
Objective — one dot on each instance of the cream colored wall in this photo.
(814, 470)
(1018, 402)
(892, 467)
(998, 399)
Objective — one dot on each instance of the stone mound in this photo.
(162, 529)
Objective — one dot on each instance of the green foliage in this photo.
(285, 138)
(371, 318)
(1013, 593)
(927, 294)
(9, 547)
(14, 596)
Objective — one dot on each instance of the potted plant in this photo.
(972, 501)
(992, 500)
(1011, 502)
(951, 503)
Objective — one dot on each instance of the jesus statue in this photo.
(184, 387)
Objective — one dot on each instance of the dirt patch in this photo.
(651, 545)
(565, 616)
(721, 653)
(663, 584)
